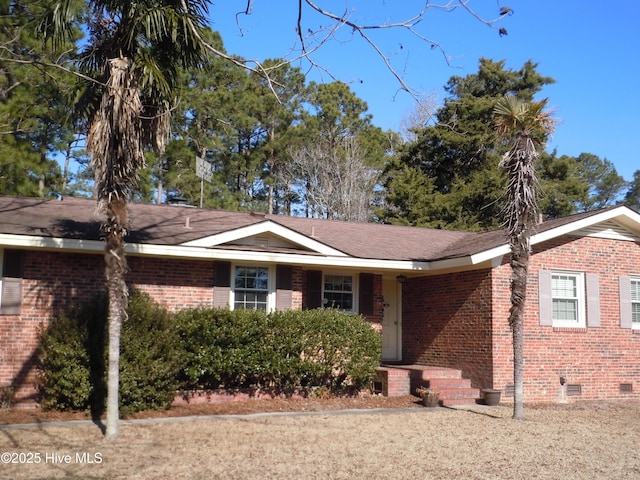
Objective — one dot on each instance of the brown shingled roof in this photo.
(172, 225)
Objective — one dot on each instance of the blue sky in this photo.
(591, 49)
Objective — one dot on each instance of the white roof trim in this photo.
(624, 215)
(72, 244)
(326, 256)
(276, 257)
(206, 253)
(261, 228)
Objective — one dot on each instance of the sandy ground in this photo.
(579, 441)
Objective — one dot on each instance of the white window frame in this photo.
(580, 298)
(271, 290)
(635, 302)
(354, 289)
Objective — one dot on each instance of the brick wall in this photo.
(598, 359)
(51, 281)
(173, 283)
(460, 320)
(447, 323)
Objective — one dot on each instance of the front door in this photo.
(391, 321)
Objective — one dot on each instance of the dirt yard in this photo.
(325, 441)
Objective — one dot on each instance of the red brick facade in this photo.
(455, 320)
(447, 323)
(460, 320)
(597, 359)
(53, 281)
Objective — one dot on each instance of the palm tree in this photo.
(131, 62)
(525, 127)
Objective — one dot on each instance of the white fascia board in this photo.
(178, 251)
(261, 228)
(32, 241)
(273, 257)
(624, 215)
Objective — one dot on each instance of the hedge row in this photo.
(281, 351)
(203, 348)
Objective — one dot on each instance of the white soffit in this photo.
(260, 229)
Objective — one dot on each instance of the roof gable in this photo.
(278, 235)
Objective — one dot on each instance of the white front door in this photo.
(391, 322)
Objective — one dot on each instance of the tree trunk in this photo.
(115, 270)
(113, 376)
(519, 269)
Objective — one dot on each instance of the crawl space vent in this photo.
(509, 391)
(626, 388)
(574, 390)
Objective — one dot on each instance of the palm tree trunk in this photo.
(115, 270)
(519, 269)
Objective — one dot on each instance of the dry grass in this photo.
(570, 442)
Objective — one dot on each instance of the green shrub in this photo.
(73, 357)
(280, 352)
(148, 357)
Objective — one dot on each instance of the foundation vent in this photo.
(509, 391)
(573, 390)
(626, 388)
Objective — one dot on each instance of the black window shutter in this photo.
(221, 274)
(366, 294)
(284, 287)
(13, 263)
(284, 277)
(314, 289)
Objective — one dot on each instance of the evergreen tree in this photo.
(606, 186)
(33, 105)
(632, 197)
(459, 154)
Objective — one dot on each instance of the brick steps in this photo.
(398, 380)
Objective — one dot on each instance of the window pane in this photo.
(250, 300)
(338, 291)
(343, 301)
(635, 312)
(565, 310)
(564, 286)
(251, 288)
(635, 290)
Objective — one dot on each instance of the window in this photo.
(12, 262)
(567, 293)
(251, 288)
(635, 303)
(338, 292)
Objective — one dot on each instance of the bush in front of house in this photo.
(279, 352)
(149, 362)
(73, 365)
(71, 356)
